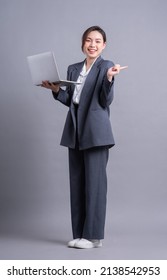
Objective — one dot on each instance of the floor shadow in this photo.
(34, 236)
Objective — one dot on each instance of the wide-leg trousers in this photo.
(88, 191)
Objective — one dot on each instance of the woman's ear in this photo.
(104, 45)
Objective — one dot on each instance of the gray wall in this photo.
(34, 191)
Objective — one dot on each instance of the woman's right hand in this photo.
(51, 86)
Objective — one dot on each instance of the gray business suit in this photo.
(88, 135)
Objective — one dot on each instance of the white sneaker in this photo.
(88, 244)
(97, 243)
(73, 242)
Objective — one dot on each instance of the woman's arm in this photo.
(107, 93)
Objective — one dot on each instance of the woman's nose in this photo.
(92, 43)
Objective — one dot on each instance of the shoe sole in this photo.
(77, 246)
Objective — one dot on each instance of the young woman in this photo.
(88, 136)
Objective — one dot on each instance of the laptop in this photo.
(43, 67)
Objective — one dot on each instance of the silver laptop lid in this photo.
(43, 67)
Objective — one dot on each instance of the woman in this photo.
(88, 136)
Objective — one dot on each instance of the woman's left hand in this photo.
(113, 71)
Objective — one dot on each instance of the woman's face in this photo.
(94, 45)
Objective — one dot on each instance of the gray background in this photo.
(34, 188)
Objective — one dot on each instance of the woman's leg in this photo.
(96, 192)
(77, 191)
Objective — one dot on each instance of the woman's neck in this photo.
(89, 62)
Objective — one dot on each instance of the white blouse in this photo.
(81, 79)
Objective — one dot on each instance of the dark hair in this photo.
(90, 29)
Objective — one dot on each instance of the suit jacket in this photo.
(93, 121)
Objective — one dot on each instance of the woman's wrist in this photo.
(109, 78)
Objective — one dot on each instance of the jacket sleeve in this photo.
(107, 91)
(64, 96)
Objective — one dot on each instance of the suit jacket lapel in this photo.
(90, 80)
(90, 83)
(74, 76)
(87, 90)
(75, 73)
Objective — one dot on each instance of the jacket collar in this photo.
(79, 65)
(90, 82)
